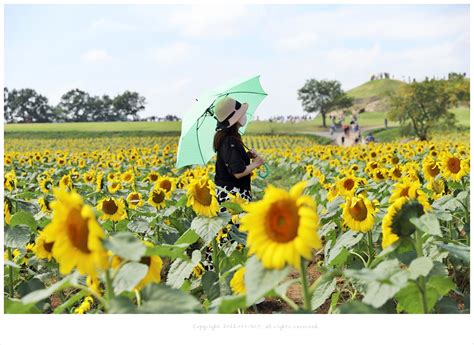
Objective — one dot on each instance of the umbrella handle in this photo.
(266, 173)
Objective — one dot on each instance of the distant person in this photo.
(370, 138)
(386, 122)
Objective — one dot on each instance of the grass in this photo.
(125, 129)
(375, 88)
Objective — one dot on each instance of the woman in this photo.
(233, 166)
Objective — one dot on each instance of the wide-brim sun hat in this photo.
(230, 110)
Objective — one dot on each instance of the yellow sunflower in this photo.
(198, 270)
(347, 186)
(128, 177)
(134, 199)
(113, 186)
(282, 226)
(411, 190)
(157, 197)
(46, 185)
(42, 248)
(166, 183)
(396, 223)
(112, 209)
(453, 167)
(6, 212)
(76, 235)
(437, 186)
(237, 283)
(358, 213)
(44, 205)
(202, 197)
(154, 264)
(99, 183)
(65, 182)
(430, 168)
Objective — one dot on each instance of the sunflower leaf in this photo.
(129, 276)
(259, 281)
(181, 270)
(227, 304)
(428, 223)
(17, 237)
(25, 218)
(173, 251)
(420, 267)
(125, 245)
(326, 284)
(207, 228)
(161, 299)
(459, 251)
(38, 295)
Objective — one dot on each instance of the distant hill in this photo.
(372, 96)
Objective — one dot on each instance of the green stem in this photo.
(370, 244)
(10, 272)
(70, 302)
(422, 282)
(108, 286)
(304, 285)
(137, 295)
(214, 256)
(113, 226)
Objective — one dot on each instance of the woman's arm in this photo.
(258, 161)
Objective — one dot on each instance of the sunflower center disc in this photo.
(454, 165)
(158, 196)
(282, 221)
(203, 195)
(166, 185)
(434, 170)
(109, 207)
(359, 211)
(349, 184)
(78, 231)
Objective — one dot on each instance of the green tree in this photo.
(26, 105)
(323, 96)
(128, 104)
(76, 106)
(422, 106)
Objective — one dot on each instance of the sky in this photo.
(173, 53)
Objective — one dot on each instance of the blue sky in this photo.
(172, 53)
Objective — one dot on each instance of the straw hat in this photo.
(230, 110)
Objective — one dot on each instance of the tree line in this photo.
(28, 106)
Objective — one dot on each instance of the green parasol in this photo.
(199, 123)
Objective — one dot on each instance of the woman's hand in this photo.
(252, 153)
(258, 161)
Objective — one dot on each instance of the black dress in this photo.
(232, 159)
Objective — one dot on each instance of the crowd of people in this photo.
(350, 131)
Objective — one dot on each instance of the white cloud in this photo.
(209, 20)
(95, 55)
(109, 25)
(298, 41)
(173, 53)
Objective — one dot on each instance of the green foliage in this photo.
(422, 106)
(128, 276)
(125, 245)
(323, 96)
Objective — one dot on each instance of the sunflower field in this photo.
(108, 225)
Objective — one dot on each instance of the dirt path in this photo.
(337, 137)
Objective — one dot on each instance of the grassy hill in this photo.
(375, 88)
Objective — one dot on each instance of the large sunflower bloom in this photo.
(358, 213)
(76, 235)
(202, 197)
(282, 226)
(112, 209)
(430, 168)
